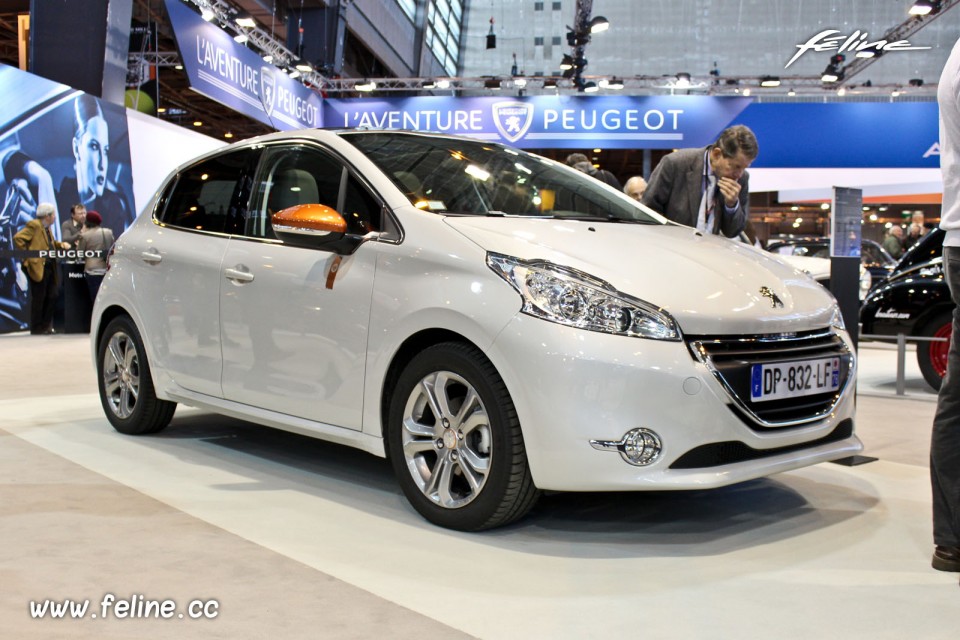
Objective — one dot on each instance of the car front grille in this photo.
(730, 359)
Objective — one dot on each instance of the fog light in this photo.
(638, 447)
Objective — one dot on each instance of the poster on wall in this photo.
(61, 146)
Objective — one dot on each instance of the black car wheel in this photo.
(932, 356)
(126, 388)
(455, 442)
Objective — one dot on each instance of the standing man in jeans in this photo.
(945, 442)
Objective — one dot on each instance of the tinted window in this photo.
(453, 175)
(212, 195)
(360, 209)
(305, 175)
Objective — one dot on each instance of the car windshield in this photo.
(458, 176)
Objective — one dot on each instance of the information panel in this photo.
(846, 222)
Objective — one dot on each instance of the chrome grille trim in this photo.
(775, 347)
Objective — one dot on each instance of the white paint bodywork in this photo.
(284, 351)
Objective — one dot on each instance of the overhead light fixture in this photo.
(520, 82)
(615, 83)
(178, 67)
(207, 14)
(268, 58)
(241, 38)
(303, 66)
(294, 73)
(429, 84)
(916, 82)
(228, 135)
(791, 93)
(769, 81)
(443, 84)
(833, 72)
(492, 83)
(366, 85)
(244, 19)
(550, 83)
(683, 80)
(895, 93)
(746, 91)
(598, 24)
(197, 123)
(842, 91)
(925, 7)
(566, 62)
(590, 87)
(870, 52)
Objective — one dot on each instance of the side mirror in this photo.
(315, 226)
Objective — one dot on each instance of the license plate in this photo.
(794, 379)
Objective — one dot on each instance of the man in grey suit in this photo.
(706, 188)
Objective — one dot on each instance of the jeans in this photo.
(945, 441)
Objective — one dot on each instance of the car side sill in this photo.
(273, 419)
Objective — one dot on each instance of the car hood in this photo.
(709, 284)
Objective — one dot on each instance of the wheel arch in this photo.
(410, 347)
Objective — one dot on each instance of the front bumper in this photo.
(571, 386)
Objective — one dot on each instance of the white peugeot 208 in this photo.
(495, 323)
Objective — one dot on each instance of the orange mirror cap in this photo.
(316, 217)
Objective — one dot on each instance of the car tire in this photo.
(126, 387)
(465, 469)
(932, 356)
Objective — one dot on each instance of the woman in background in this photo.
(91, 149)
(96, 241)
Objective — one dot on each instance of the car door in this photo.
(178, 267)
(295, 336)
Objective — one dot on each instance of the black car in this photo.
(914, 300)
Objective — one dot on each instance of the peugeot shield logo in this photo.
(767, 292)
(512, 119)
(268, 89)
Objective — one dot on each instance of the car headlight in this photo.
(837, 320)
(575, 299)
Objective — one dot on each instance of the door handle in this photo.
(151, 256)
(237, 275)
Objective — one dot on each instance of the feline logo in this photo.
(854, 43)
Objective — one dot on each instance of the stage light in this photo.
(598, 24)
(925, 7)
(244, 19)
(769, 81)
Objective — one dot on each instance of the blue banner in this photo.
(845, 134)
(795, 135)
(237, 77)
(556, 122)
